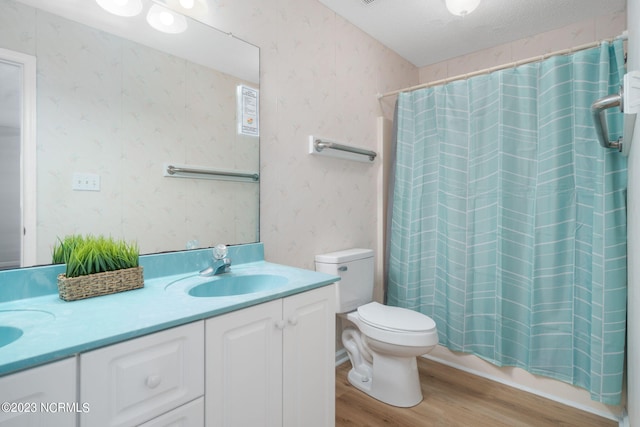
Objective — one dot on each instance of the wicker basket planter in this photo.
(93, 285)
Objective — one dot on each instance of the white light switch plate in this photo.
(85, 182)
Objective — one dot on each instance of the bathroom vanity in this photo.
(258, 355)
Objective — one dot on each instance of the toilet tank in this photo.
(355, 268)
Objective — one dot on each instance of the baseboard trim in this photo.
(624, 420)
(341, 356)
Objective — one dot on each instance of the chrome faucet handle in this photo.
(220, 251)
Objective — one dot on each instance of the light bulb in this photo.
(461, 7)
(187, 4)
(162, 19)
(166, 18)
(121, 7)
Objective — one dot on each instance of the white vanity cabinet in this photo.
(273, 364)
(132, 382)
(44, 396)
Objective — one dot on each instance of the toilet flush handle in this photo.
(343, 268)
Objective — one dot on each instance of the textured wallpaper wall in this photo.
(319, 75)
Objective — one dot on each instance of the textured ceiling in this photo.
(424, 32)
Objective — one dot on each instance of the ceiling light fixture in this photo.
(165, 20)
(461, 7)
(121, 7)
(195, 8)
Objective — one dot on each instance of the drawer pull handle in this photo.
(153, 381)
(280, 324)
(293, 320)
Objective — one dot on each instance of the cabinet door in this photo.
(34, 396)
(309, 358)
(244, 367)
(134, 381)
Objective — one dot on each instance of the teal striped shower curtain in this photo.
(509, 220)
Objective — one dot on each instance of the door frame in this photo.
(28, 179)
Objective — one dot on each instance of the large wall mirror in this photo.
(116, 102)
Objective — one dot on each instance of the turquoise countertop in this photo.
(55, 329)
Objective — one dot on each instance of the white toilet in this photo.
(384, 348)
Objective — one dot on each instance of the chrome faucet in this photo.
(221, 264)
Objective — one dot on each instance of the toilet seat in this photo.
(382, 323)
(395, 319)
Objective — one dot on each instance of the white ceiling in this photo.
(424, 32)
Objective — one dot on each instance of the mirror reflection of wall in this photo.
(10, 223)
(119, 110)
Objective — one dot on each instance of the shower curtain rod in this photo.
(538, 58)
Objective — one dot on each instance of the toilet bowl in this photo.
(384, 341)
(383, 352)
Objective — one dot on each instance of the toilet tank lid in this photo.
(344, 256)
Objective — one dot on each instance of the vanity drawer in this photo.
(189, 415)
(134, 381)
(33, 396)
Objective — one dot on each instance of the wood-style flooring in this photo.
(456, 398)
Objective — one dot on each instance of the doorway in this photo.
(17, 159)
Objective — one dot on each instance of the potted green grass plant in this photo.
(96, 266)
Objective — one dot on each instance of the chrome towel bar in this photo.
(320, 144)
(172, 170)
